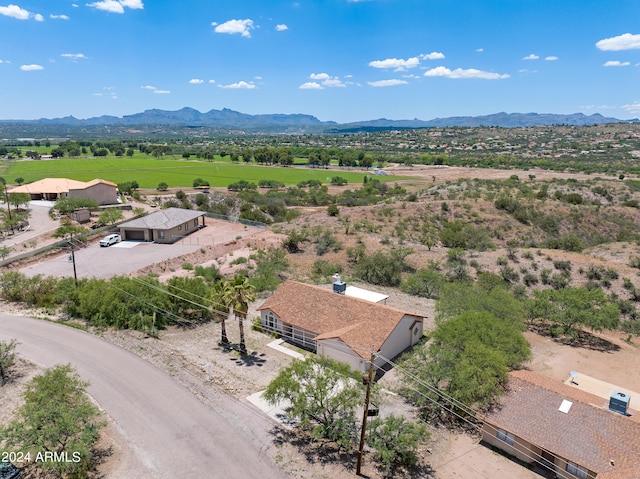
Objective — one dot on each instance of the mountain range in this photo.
(290, 123)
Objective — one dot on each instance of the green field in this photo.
(149, 172)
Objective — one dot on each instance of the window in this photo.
(179, 227)
(505, 436)
(195, 222)
(161, 234)
(576, 470)
(270, 321)
(186, 226)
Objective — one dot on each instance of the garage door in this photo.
(136, 235)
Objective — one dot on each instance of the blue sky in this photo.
(340, 60)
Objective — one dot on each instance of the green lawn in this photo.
(149, 172)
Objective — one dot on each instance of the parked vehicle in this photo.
(109, 240)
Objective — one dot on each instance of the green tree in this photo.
(239, 294)
(17, 199)
(67, 228)
(382, 268)
(571, 309)
(20, 179)
(7, 358)
(66, 206)
(57, 416)
(468, 358)
(110, 216)
(321, 395)
(4, 251)
(163, 186)
(396, 441)
(424, 282)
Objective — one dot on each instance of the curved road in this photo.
(172, 433)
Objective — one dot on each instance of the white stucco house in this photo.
(341, 327)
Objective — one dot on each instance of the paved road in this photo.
(173, 434)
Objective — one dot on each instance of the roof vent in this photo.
(338, 286)
(619, 402)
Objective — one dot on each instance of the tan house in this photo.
(164, 226)
(563, 430)
(339, 326)
(51, 189)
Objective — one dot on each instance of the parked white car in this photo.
(109, 240)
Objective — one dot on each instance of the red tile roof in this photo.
(358, 323)
(588, 435)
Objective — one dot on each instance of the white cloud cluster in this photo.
(31, 68)
(626, 41)
(615, 63)
(384, 83)
(532, 56)
(14, 11)
(399, 64)
(551, 58)
(231, 27)
(74, 56)
(59, 17)
(155, 90)
(322, 80)
(464, 73)
(196, 81)
(117, 6)
(241, 85)
(633, 108)
(281, 27)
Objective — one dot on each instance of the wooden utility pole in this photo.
(368, 381)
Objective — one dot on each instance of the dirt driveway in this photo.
(127, 257)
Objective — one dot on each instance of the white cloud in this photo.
(241, 85)
(383, 83)
(148, 87)
(59, 17)
(327, 80)
(311, 85)
(281, 27)
(161, 92)
(134, 4)
(38, 18)
(116, 6)
(532, 56)
(74, 56)
(460, 73)
(14, 11)
(615, 63)
(196, 81)
(31, 68)
(396, 63)
(633, 108)
(111, 6)
(479, 50)
(212, 81)
(432, 56)
(551, 58)
(626, 41)
(243, 27)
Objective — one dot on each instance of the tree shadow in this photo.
(325, 452)
(99, 455)
(577, 338)
(247, 359)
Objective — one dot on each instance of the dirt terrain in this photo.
(184, 353)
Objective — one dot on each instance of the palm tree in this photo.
(239, 294)
(220, 305)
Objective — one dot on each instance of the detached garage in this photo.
(165, 226)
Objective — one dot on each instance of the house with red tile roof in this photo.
(51, 189)
(564, 430)
(338, 326)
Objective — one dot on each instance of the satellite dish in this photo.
(574, 375)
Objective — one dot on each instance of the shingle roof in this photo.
(163, 219)
(358, 323)
(588, 434)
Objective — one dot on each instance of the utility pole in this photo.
(368, 380)
(73, 258)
